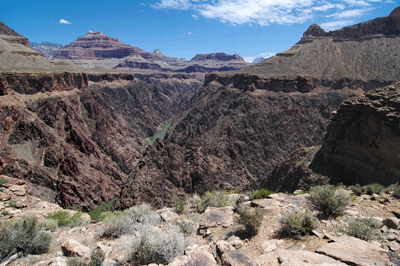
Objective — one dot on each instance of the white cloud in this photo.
(251, 58)
(189, 33)
(334, 25)
(265, 12)
(63, 21)
(350, 13)
(173, 4)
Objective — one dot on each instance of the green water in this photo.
(95, 214)
(159, 135)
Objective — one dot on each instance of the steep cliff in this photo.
(235, 131)
(75, 137)
(361, 146)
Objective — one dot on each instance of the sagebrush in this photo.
(24, 235)
(331, 201)
(298, 223)
(365, 228)
(250, 218)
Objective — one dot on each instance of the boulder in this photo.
(391, 222)
(271, 245)
(223, 247)
(72, 248)
(199, 256)
(236, 258)
(355, 251)
(213, 217)
(306, 258)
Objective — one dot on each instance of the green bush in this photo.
(107, 214)
(97, 257)
(262, 193)
(363, 228)
(64, 218)
(329, 200)
(298, 223)
(186, 226)
(76, 262)
(211, 199)
(357, 189)
(24, 235)
(374, 188)
(12, 203)
(250, 218)
(3, 181)
(179, 206)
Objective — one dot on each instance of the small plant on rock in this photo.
(365, 228)
(3, 181)
(298, 223)
(179, 206)
(186, 226)
(250, 218)
(331, 201)
(357, 189)
(64, 218)
(374, 188)
(96, 257)
(262, 193)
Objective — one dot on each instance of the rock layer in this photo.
(75, 145)
(364, 136)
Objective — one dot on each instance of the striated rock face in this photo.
(361, 146)
(217, 57)
(364, 137)
(75, 145)
(46, 48)
(96, 45)
(365, 53)
(232, 136)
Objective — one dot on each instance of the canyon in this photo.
(78, 135)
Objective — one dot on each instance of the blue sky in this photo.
(184, 28)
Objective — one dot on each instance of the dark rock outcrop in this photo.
(364, 137)
(232, 136)
(361, 146)
(75, 145)
(217, 57)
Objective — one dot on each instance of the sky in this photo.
(184, 28)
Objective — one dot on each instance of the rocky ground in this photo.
(219, 239)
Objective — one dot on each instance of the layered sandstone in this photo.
(366, 52)
(96, 45)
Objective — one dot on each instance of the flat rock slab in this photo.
(267, 204)
(236, 258)
(213, 217)
(306, 258)
(355, 251)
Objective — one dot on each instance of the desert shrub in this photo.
(12, 203)
(179, 206)
(214, 199)
(262, 193)
(396, 192)
(186, 226)
(76, 262)
(107, 214)
(64, 218)
(157, 246)
(97, 257)
(250, 219)
(374, 188)
(129, 220)
(3, 181)
(357, 189)
(329, 200)
(297, 223)
(365, 228)
(49, 224)
(25, 235)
